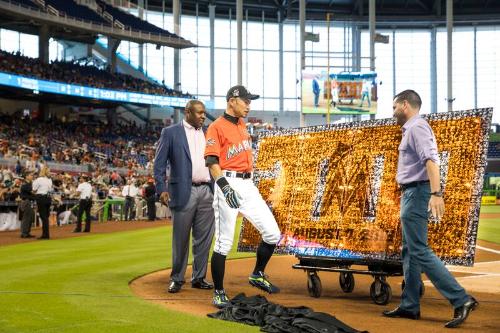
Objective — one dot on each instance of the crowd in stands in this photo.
(96, 145)
(75, 72)
(105, 185)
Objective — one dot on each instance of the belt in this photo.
(200, 184)
(235, 174)
(413, 184)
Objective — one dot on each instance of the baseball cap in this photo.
(241, 92)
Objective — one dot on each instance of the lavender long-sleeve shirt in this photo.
(418, 145)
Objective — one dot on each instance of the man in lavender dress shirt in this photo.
(418, 176)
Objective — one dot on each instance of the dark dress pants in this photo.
(43, 203)
(196, 217)
(150, 201)
(84, 206)
(27, 217)
(129, 208)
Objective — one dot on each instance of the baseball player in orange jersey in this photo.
(228, 155)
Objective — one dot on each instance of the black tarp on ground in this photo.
(274, 318)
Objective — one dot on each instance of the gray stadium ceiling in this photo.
(390, 13)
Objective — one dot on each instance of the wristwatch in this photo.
(437, 194)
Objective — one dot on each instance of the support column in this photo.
(112, 117)
(394, 77)
(302, 22)
(176, 9)
(371, 25)
(449, 33)
(356, 49)
(43, 44)
(211, 15)
(433, 73)
(43, 55)
(177, 115)
(113, 44)
(281, 64)
(140, 8)
(475, 66)
(239, 38)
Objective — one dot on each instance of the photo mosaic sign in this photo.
(333, 192)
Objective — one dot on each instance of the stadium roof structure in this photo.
(28, 16)
(389, 12)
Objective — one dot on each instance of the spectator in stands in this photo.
(26, 206)
(42, 187)
(84, 191)
(150, 196)
(18, 169)
(129, 192)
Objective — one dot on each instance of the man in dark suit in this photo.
(26, 206)
(149, 195)
(189, 194)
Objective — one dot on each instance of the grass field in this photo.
(489, 229)
(81, 284)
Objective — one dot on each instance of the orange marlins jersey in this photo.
(231, 143)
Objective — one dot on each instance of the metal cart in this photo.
(380, 290)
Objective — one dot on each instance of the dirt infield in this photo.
(356, 308)
(490, 216)
(65, 231)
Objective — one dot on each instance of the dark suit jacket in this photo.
(173, 150)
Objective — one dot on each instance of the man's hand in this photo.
(232, 198)
(164, 198)
(436, 207)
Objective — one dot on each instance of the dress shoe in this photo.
(400, 313)
(174, 287)
(201, 284)
(86, 230)
(43, 237)
(27, 236)
(77, 230)
(462, 312)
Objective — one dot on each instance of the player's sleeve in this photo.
(213, 142)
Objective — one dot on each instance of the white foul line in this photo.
(487, 249)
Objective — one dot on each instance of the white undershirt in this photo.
(196, 142)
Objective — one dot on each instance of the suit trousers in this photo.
(84, 206)
(418, 257)
(27, 217)
(196, 217)
(43, 203)
(129, 208)
(151, 204)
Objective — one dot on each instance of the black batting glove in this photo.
(232, 198)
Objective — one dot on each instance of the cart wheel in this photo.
(380, 292)
(314, 284)
(422, 287)
(346, 281)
